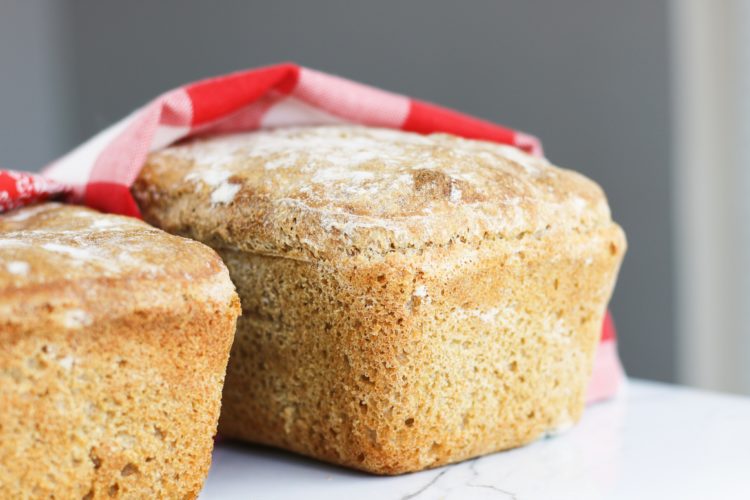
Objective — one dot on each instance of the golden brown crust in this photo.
(323, 192)
(392, 328)
(112, 366)
(78, 254)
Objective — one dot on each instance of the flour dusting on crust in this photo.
(373, 188)
(49, 242)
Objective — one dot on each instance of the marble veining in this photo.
(654, 441)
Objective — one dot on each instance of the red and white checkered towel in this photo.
(99, 173)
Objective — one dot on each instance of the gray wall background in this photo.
(590, 78)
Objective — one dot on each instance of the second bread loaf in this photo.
(408, 301)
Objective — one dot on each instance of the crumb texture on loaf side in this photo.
(408, 301)
(111, 372)
(396, 367)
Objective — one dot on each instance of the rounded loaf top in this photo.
(327, 187)
(52, 248)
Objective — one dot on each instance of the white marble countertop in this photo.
(654, 441)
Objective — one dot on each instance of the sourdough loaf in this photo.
(408, 301)
(115, 339)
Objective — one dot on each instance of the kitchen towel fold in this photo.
(99, 172)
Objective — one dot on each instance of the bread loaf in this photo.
(408, 301)
(115, 339)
